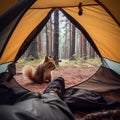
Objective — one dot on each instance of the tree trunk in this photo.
(81, 39)
(39, 41)
(92, 53)
(72, 40)
(47, 39)
(84, 48)
(50, 37)
(66, 44)
(32, 51)
(56, 36)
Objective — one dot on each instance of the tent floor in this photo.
(113, 94)
(102, 114)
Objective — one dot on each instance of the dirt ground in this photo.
(72, 76)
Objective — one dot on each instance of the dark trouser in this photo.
(46, 107)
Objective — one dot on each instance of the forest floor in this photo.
(71, 73)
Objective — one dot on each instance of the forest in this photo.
(60, 39)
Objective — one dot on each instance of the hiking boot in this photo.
(56, 86)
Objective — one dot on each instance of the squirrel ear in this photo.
(46, 58)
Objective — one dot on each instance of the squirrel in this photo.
(42, 73)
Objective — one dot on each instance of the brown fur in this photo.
(42, 73)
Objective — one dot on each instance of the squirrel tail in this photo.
(28, 72)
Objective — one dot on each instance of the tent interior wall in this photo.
(100, 23)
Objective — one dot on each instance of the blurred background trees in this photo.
(60, 39)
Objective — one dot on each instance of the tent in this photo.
(99, 20)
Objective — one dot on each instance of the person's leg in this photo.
(56, 86)
(53, 95)
(57, 107)
(33, 106)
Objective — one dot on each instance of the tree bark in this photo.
(39, 41)
(72, 40)
(50, 37)
(56, 37)
(47, 39)
(92, 55)
(84, 49)
(32, 51)
(81, 39)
